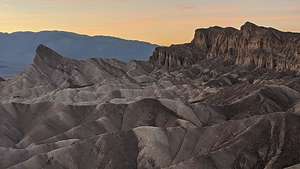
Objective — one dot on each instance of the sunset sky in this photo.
(157, 21)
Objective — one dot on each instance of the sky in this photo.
(162, 22)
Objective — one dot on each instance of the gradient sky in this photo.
(157, 21)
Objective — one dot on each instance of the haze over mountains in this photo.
(230, 99)
(18, 49)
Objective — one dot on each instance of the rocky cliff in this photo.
(251, 45)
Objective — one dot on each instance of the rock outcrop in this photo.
(50, 71)
(251, 45)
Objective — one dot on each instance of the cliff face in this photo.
(251, 45)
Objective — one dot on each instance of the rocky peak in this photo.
(249, 26)
(251, 45)
(249, 29)
(46, 56)
(61, 72)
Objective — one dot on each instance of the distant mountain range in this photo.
(18, 49)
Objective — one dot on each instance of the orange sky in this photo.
(158, 21)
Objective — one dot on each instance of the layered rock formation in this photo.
(103, 113)
(251, 45)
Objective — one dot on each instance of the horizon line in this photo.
(137, 40)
